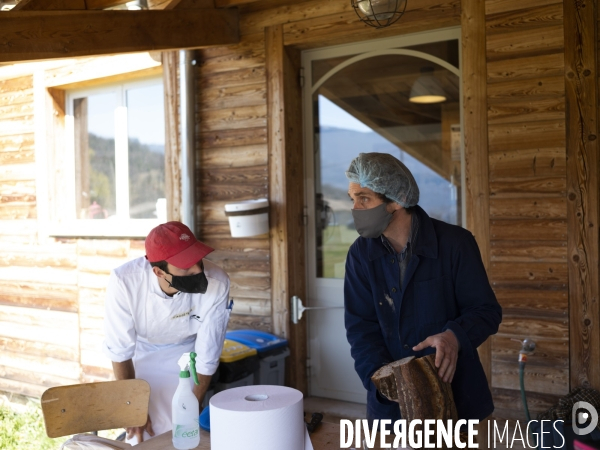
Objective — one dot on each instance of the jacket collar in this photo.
(425, 243)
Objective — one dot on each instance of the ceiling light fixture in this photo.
(427, 88)
(379, 13)
(137, 5)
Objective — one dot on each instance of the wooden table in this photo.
(327, 437)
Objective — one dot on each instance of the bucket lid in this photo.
(259, 340)
(247, 205)
(205, 419)
(234, 351)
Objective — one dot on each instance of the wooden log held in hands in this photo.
(414, 383)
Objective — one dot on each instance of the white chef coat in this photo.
(144, 324)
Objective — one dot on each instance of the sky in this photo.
(145, 119)
(330, 115)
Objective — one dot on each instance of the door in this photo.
(398, 96)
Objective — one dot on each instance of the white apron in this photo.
(167, 320)
(157, 364)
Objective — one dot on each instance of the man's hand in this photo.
(139, 431)
(446, 353)
(125, 371)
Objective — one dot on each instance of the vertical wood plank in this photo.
(294, 150)
(170, 62)
(40, 111)
(582, 190)
(286, 196)
(276, 146)
(474, 72)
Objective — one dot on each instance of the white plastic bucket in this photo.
(248, 218)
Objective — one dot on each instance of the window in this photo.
(116, 136)
(402, 100)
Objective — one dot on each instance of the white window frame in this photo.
(66, 223)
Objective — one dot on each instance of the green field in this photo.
(336, 241)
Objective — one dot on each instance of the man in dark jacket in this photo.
(414, 286)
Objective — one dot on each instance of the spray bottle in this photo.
(185, 406)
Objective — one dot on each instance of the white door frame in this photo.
(319, 290)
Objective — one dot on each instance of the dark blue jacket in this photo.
(445, 287)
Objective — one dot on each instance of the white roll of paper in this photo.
(258, 418)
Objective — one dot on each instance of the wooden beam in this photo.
(286, 195)
(170, 64)
(48, 5)
(230, 3)
(582, 190)
(180, 4)
(103, 4)
(83, 33)
(91, 71)
(475, 138)
(152, 4)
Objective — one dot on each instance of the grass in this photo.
(22, 428)
(336, 241)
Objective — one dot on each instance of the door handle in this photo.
(298, 308)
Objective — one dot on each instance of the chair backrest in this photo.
(87, 407)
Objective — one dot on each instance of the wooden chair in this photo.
(81, 408)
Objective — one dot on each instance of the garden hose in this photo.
(527, 348)
(522, 383)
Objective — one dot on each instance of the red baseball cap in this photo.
(175, 243)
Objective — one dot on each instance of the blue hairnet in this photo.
(384, 174)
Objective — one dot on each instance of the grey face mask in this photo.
(371, 223)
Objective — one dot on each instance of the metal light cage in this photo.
(379, 13)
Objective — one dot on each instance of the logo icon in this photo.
(184, 237)
(582, 412)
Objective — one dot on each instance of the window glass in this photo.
(94, 126)
(146, 142)
(119, 151)
(400, 104)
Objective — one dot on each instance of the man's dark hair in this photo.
(384, 198)
(389, 200)
(162, 265)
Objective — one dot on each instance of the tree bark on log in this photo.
(416, 386)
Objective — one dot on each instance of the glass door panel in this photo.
(367, 107)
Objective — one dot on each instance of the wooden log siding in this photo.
(51, 290)
(231, 131)
(17, 173)
(232, 150)
(581, 22)
(525, 97)
(528, 204)
(475, 142)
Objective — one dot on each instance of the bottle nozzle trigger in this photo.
(193, 367)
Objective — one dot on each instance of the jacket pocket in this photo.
(434, 301)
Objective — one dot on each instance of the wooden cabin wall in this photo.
(51, 289)
(231, 127)
(39, 330)
(528, 209)
(231, 136)
(527, 163)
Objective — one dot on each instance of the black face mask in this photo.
(190, 284)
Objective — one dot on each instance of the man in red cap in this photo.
(160, 306)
